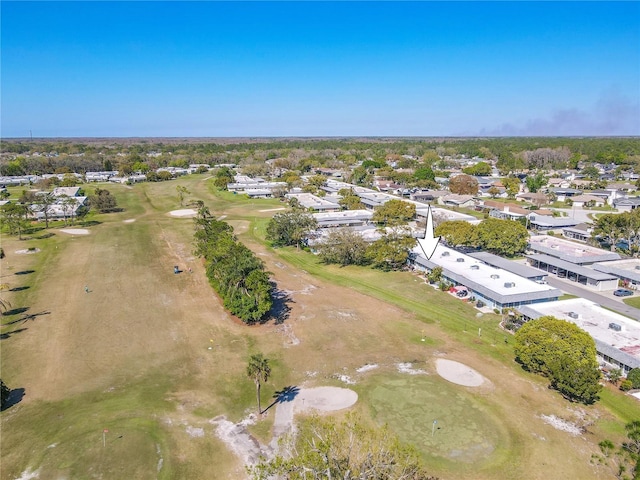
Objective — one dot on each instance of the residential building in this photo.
(344, 218)
(626, 270)
(495, 287)
(617, 337)
(313, 202)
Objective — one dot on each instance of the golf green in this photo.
(439, 419)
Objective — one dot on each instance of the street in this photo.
(605, 299)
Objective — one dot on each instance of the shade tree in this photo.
(290, 228)
(463, 185)
(562, 352)
(343, 246)
(394, 212)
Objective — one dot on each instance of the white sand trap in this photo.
(325, 399)
(458, 373)
(27, 251)
(75, 231)
(129, 220)
(187, 212)
(272, 209)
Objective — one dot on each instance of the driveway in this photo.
(580, 214)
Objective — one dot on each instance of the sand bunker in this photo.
(75, 231)
(273, 209)
(458, 373)
(325, 399)
(129, 220)
(187, 212)
(27, 251)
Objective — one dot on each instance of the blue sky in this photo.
(215, 69)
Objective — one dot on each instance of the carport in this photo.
(592, 279)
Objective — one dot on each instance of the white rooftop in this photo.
(490, 277)
(567, 248)
(595, 320)
(308, 200)
(446, 215)
(343, 214)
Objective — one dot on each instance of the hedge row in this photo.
(233, 270)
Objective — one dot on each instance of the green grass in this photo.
(567, 296)
(624, 407)
(69, 434)
(632, 302)
(468, 435)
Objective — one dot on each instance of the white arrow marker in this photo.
(429, 243)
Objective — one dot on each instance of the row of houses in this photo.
(99, 176)
(500, 283)
(66, 202)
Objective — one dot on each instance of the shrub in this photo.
(625, 385)
(4, 394)
(634, 377)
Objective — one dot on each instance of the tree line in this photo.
(233, 270)
(300, 154)
(502, 237)
(344, 246)
(611, 228)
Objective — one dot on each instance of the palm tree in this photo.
(259, 371)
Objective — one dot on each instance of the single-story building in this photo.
(510, 266)
(494, 287)
(344, 218)
(626, 204)
(579, 233)
(546, 222)
(587, 200)
(313, 202)
(627, 271)
(586, 276)
(617, 337)
(461, 201)
(569, 251)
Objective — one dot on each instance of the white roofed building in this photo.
(617, 337)
(495, 287)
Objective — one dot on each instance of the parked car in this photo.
(622, 292)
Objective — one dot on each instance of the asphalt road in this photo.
(605, 299)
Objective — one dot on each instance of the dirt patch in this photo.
(75, 231)
(367, 367)
(29, 474)
(458, 373)
(239, 440)
(184, 213)
(408, 368)
(249, 449)
(560, 424)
